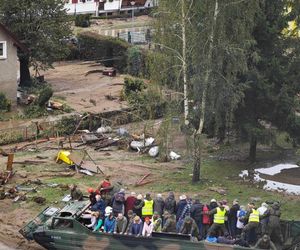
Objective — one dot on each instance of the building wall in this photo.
(81, 8)
(9, 69)
(89, 6)
(115, 5)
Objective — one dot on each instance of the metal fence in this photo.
(140, 37)
(23, 133)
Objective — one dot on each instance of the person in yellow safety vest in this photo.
(218, 226)
(253, 223)
(147, 210)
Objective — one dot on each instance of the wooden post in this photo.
(10, 160)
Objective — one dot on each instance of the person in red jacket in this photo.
(129, 203)
(206, 222)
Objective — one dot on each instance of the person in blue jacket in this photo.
(109, 224)
(136, 227)
(99, 206)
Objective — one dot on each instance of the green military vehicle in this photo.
(63, 229)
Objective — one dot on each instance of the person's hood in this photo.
(275, 206)
(172, 216)
(171, 196)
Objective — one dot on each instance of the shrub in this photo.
(133, 86)
(5, 104)
(147, 102)
(83, 20)
(136, 61)
(113, 51)
(44, 96)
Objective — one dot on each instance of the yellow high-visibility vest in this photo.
(219, 217)
(147, 208)
(254, 216)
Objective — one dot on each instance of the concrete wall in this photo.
(9, 69)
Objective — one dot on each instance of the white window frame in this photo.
(4, 56)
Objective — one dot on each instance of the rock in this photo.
(23, 175)
(39, 200)
(255, 199)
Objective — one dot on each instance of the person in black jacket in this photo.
(170, 204)
(159, 205)
(196, 214)
(180, 206)
(138, 205)
(232, 218)
(212, 205)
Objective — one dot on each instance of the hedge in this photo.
(111, 51)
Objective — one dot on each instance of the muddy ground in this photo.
(82, 92)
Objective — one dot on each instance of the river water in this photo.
(284, 177)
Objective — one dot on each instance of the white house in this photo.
(107, 7)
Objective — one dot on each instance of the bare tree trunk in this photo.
(25, 79)
(253, 145)
(196, 157)
(197, 135)
(184, 66)
(208, 70)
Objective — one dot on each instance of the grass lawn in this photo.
(224, 174)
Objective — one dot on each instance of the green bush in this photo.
(83, 20)
(132, 86)
(136, 61)
(112, 51)
(44, 96)
(5, 104)
(148, 103)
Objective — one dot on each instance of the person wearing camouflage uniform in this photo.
(273, 228)
(170, 223)
(76, 194)
(190, 227)
(265, 243)
(157, 222)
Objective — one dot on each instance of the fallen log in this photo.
(57, 175)
(38, 142)
(31, 162)
(143, 178)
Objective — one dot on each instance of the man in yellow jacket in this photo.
(147, 210)
(218, 226)
(253, 221)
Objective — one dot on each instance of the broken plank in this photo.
(32, 162)
(143, 178)
(57, 175)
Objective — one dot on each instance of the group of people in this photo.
(111, 211)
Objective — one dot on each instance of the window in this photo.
(3, 52)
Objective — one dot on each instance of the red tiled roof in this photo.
(14, 38)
